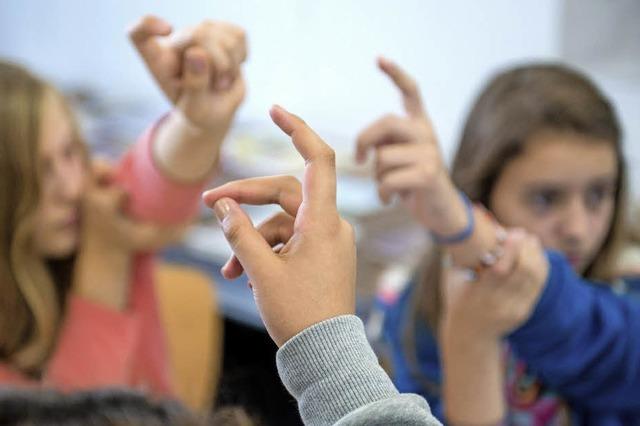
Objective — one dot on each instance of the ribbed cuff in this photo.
(331, 370)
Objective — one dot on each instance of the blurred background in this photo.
(318, 60)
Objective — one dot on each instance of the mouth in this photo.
(71, 221)
(575, 260)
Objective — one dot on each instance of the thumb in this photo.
(251, 249)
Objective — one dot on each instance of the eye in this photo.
(542, 201)
(70, 151)
(598, 195)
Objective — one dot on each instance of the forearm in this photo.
(473, 379)
(187, 153)
(102, 276)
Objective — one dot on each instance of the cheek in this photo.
(546, 230)
(44, 237)
(601, 221)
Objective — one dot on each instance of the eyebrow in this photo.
(563, 187)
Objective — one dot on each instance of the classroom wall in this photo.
(314, 57)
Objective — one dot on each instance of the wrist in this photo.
(102, 275)
(180, 124)
(445, 207)
(185, 152)
(451, 217)
(458, 329)
(473, 381)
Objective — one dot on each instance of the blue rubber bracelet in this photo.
(462, 235)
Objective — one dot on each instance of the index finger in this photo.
(319, 183)
(281, 190)
(406, 84)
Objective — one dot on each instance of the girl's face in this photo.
(63, 173)
(562, 188)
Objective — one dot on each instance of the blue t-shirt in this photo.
(578, 355)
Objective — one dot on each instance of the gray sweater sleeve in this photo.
(332, 372)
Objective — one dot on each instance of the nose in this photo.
(576, 222)
(69, 181)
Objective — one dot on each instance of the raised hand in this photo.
(408, 160)
(504, 295)
(109, 238)
(312, 277)
(197, 68)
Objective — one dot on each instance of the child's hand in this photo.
(312, 278)
(106, 225)
(502, 298)
(197, 68)
(408, 161)
(109, 239)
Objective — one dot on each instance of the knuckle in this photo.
(284, 229)
(411, 86)
(282, 218)
(428, 172)
(199, 35)
(389, 119)
(233, 232)
(349, 230)
(327, 155)
(146, 20)
(501, 271)
(291, 183)
(241, 34)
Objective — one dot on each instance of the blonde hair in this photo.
(32, 291)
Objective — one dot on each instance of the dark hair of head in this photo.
(104, 407)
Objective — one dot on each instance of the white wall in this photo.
(314, 57)
(317, 57)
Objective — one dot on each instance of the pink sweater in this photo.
(98, 346)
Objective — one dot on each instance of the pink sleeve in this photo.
(9, 376)
(152, 195)
(95, 347)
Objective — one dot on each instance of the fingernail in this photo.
(221, 209)
(275, 108)
(197, 65)
(224, 83)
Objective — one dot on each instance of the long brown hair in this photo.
(516, 105)
(32, 290)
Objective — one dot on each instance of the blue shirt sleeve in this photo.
(404, 374)
(584, 341)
